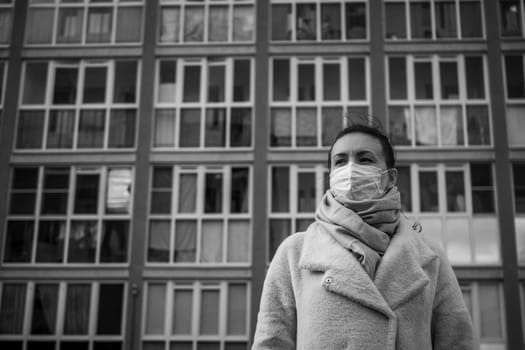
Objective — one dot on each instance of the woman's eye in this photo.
(338, 161)
(366, 160)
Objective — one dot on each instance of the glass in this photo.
(306, 82)
(208, 346)
(78, 300)
(215, 128)
(41, 345)
(193, 24)
(50, 242)
(281, 18)
(510, 17)
(95, 85)
(30, 129)
(243, 23)
(426, 126)
(397, 78)
(55, 191)
(281, 127)
(331, 82)
(187, 193)
(405, 188)
(458, 241)
(490, 310)
(241, 127)
(420, 21)
(167, 81)
(211, 241)
(110, 307)
(169, 24)
(356, 79)
(449, 80)
(114, 241)
(125, 82)
(86, 194)
(423, 80)
(216, 82)
(218, 23)
(118, 196)
(181, 345)
(213, 193)
(237, 300)
(519, 222)
(279, 230)
(185, 241)
(107, 345)
(514, 76)
(238, 241)
(516, 125)
(100, 24)
(165, 128)
(478, 125)
(355, 20)
(486, 243)
(192, 79)
(159, 241)
(161, 191)
(182, 311)
(331, 124)
(129, 24)
(482, 188)
(12, 308)
(35, 81)
(235, 346)
(239, 190)
(65, 85)
(70, 23)
(241, 80)
(400, 126)
(446, 19)
(281, 80)
(471, 19)
(280, 189)
(83, 240)
(474, 77)
(209, 316)
(306, 28)
(190, 121)
(39, 25)
(74, 345)
(91, 128)
(330, 21)
(306, 127)
(60, 129)
(395, 17)
(428, 190)
(451, 126)
(122, 128)
(156, 304)
(518, 172)
(19, 241)
(45, 303)
(23, 191)
(455, 185)
(306, 192)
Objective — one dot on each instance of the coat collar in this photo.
(399, 277)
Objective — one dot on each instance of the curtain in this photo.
(211, 241)
(70, 25)
(156, 309)
(281, 127)
(44, 309)
(238, 241)
(187, 193)
(30, 129)
(243, 23)
(194, 23)
(39, 25)
(99, 25)
(12, 308)
(5, 26)
(122, 128)
(446, 20)
(218, 23)
(83, 240)
(129, 24)
(91, 129)
(209, 312)
(306, 126)
(190, 124)
(215, 130)
(170, 23)
(451, 126)
(118, 199)
(159, 241)
(182, 311)
(240, 127)
(478, 125)
(185, 240)
(76, 320)
(60, 129)
(426, 127)
(114, 241)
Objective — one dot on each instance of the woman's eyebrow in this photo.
(366, 153)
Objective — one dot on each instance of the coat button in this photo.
(328, 280)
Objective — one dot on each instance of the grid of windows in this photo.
(310, 97)
(6, 14)
(73, 215)
(78, 105)
(209, 315)
(204, 103)
(433, 19)
(317, 20)
(59, 22)
(200, 215)
(438, 101)
(78, 315)
(206, 21)
(515, 93)
(511, 15)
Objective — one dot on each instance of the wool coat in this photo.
(316, 295)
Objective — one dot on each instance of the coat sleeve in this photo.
(277, 320)
(451, 323)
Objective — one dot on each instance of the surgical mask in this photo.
(356, 182)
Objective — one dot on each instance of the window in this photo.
(6, 14)
(317, 20)
(519, 206)
(511, 14)
(78, 105)
(313, 98)
(206, 21)
(76, 315)
(429, 106)
(57, 22)
(204, 103)
(69, 215)
(200, 215)
(433, 19)
(295, 192)
(214, 315)
(515, 88)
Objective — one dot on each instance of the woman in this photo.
(360, 277)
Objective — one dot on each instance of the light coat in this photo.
(317, 296)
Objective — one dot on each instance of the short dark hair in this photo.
(388, 150)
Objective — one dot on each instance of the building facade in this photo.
(153, 155)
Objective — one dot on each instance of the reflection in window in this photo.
(306, 22)
(510, 11)
(99, 25)
(355, 20)
(194, 24)
(428, 191)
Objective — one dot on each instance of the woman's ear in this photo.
(392, 177)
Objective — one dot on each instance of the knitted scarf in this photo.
(363, 227)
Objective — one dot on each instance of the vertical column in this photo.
(260, 177)
(9, 113)
(377, 62)
(139, 223)
(503, 179)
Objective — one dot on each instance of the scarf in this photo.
(363, 227)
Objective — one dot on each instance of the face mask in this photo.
(356, 182)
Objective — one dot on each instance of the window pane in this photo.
(60, 129)
(50, 243)
(70, 25)
(30, 129)
(446, 19)
(190, 128)
(35, 83)
(482, 188)
(458, 240)
(156, 304)
(107, 345)
(516, 125)
(449, 80)
(83, 240)
(12, 308)
(129, 24)
(306, 192)
(306, 126)
(235, 346)
(110, 305)
(73, 345)
(44, 309)
(91, 129)
(514, 76)
(281, 26)
(114, 241)
(519, 221)
(5, 25)
(192, 79)
(428, 191)
(237, 309)
(395, 17)
(397, 78)
(95, 85)
(216, 82)
(510, 18)
(280, 189)
(182, 311)
(423, 80)
(167, 81)
(404, 185)
(331, 124)
(426, 126)
(165, 128)
(122, 128)
(356, 79)
(159, 241)
(330, 21)
(211, 241)
(213, 193)
(218, 23)
(99, 25)
(118, 197)
(306, 22)
(241, 127)
(478, 125)
(490, 311)
(185, 240)
(519, 187)
(281, 80)
(125, 82)
(19, 241)
(193, 23)
(470, 19)
(209, 317)
(41, 345)
(215, 127)
(169, 25)
(243, 23)
(400, 126)
(451, 126)
(55, 191)
(455, 185)
(420, 22)
(238, 241)
(474, 77)
(279, 230)
(241, 80)
(65, 85)
(306, 84)
(187, 193)
(78, 302)
(23, 193)
(239, 190)
(86, 194)
(356, 21)
(486, 241)
(39, 25)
